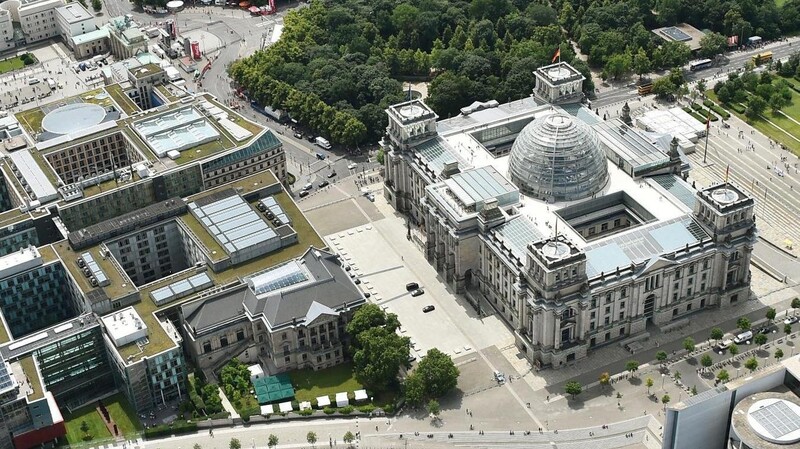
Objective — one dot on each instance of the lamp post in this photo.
(663, 378)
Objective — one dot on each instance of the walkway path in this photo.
(226, 404)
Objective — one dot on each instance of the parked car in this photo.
(744, 337)
(352, 166)
(428, 308)
(304, 194)
(298, 135)
(724, 344)
(323, 184)
(332, 175)
(791, 320)
(765, 329)
(412, 286)
(321, 156)
(371, 197)
(418, 292)
(308, 186)
(499, 377)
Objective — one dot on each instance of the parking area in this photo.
(385, 262)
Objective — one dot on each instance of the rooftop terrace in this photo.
(29, 367)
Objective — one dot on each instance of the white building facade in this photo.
(37, 18)
(74, 20)
(598, 253)
(6, 31)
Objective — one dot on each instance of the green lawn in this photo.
(768, 129)
(309, 384)
(7, 65)
(121, 412)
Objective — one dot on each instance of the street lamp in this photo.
(663, 378)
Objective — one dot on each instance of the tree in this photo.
(272, 440)
(694, 390)
(604, 379)
(632, 366)
(706, 360)
(771, 314)
(197, 446)
(701, 87)
(434, 408)
(85, 430)
(311, 437)
(733, 349)
(796, 301)
(573, 388)
(414, 389)
(379, 156)
(751, 364)
(778, 354)
(787, 329)
(712, 44)
(664, 88)
(717, 334)
(760, 339)
(97, 5)
(661, 356)
(619, 65)
(348, 437)
(378, 357)
(370, 316)
(743, 323)
(688, 344)
(665, 400)
(235, 444)
(777, 102)
(677, 375)
(641, 63)
(723, 376)
(755, 106)
(438, 373)
(649, 384)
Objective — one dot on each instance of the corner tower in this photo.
(728, 214)
(558, 83)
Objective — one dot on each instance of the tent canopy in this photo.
(254, 9)
(267, 410)
(305, 405)
(273, 388)
(341, 399)
(361, 395)
(286, 407)
(323, 401)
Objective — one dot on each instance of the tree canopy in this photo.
(338, 65)
(378, 351)
(434, 376)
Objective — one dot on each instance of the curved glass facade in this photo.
(558, 158)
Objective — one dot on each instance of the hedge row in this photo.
(172, 429)
(719, 110)
(703, 112)
(737, 107)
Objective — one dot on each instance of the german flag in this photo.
(556, 56)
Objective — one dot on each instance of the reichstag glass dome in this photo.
(558, 158)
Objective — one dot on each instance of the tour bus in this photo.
(700, 65)
(762, 58)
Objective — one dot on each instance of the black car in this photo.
(411, 286)
(298, 135)
(765, 330)
(310, 138)
(323, 184)
(428, 308)
(418, 292)
(303, 193)
(332, 175)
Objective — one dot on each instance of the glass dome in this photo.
(558, 158)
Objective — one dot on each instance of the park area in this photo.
(310, 384)
(86, 425)
(16, 63)
(769, 102)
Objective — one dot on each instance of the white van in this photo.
(323, 142)
(33, 80)
(743, 337)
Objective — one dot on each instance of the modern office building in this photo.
(760, 410)
(6, 30)
(74, 20)
(37, 18)
(579, 232)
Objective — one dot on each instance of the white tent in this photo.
(286, 407)
(305, 405)
(341, 400)
(255, 372)
(361, 395)
(267, 410)
(323, 401)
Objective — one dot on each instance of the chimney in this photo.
(450, 169)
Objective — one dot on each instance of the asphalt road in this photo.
(736, 60)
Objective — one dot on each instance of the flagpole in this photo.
(708, 130)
